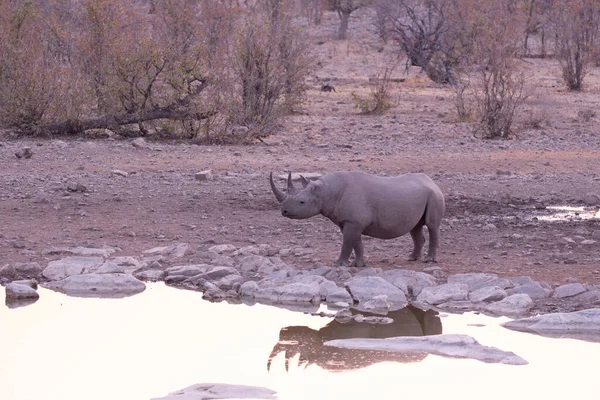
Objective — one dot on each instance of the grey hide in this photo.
(365, 204)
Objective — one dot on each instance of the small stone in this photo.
(25, 152)
(588, 242)
(204, 175)
(15, 291)
(118, 172)
(139, 143)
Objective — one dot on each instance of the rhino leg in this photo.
(359, 253)
(418, 241)
(433, 243)
(350, 237)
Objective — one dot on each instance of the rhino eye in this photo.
(301, 201)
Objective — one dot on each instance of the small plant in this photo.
(380, 99)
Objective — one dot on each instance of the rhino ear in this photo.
(305, 181)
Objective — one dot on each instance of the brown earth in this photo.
(494, 189)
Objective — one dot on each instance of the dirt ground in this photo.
(496, 191)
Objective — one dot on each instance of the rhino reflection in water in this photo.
(307, 343)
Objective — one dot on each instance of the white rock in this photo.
(584, 325)
(205, 175)
(69, 266)
(444, 293)
(15, 292)
(513, 305)
(377, 305)
(365, 288)
(151, 275)
(176, 250)
(254, 262)
(300, 293)
(487, 294)
(207, 391)
(460, 346)
(568, 290)
(98, 285)
(223, 248)
(248, 288)
(534, 290)
(410, 282)
(474, 281)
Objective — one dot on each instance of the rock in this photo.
(228, 282)
(487, 294)
(176, 250)
(514, 305)
(248, 288)
(534, 290)
(568, 290)
(377, 305)
(252, 263)
(24, 152)
(139, 143)
(591, 199)
(187, 270)
(17, 292)
(150, 275)
(223, 248)
(583, 325)
(588, 242)
(460, 346)
(32, 283)
(300, 293)
(339, 295)
(473, 280)
(204, 175)
(81, 251)
(220, 272)
(76, 187)
(98, 285)
(365, 288)
(110, 267)
(206, 391)
(443, 293)
(410, 282)
(60, 269)
(339, 274)
(370, 271)
(21, 270)
(118, 172)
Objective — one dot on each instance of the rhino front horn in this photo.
(278, 193)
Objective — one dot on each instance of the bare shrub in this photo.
(380, 99)
(196, 67)
(33, 79)
(496, 87)
(421, 30)
(461, 103)
(576, 24)
(269, 63)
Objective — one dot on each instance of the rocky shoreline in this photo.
(257, 274)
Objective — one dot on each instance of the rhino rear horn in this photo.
(291, 190)
(278, 193)
(305, 181)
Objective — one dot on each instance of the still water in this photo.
(165, 339)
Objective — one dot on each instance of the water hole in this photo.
(165, 339)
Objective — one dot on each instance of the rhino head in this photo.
(299, 204)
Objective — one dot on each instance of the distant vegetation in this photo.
(228, 70)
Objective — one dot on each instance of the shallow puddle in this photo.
(569, 213)
(165, 339)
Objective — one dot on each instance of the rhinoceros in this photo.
(363, 204)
